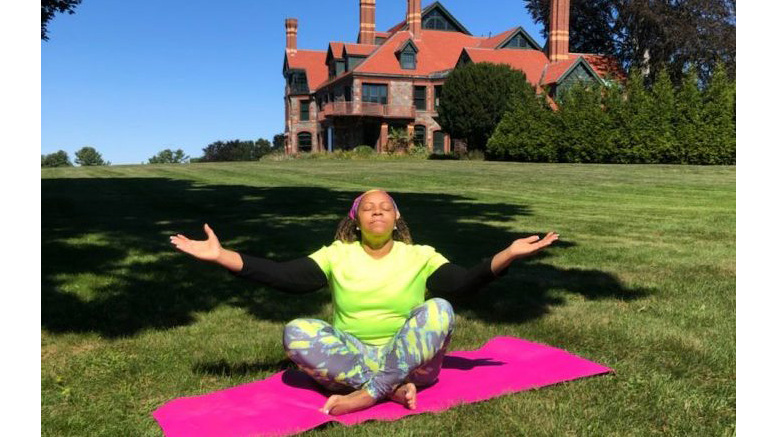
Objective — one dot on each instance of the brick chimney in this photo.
(413, 18)
(367, 21)
(291, 35)
(558, 38)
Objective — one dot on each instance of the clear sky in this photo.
(131, 78)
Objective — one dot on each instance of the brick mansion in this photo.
(353, 93)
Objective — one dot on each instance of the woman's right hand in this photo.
(206, 250)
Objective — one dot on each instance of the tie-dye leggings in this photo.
(340, 362)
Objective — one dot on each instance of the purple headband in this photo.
(357, 201)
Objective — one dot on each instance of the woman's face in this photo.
(376, 214)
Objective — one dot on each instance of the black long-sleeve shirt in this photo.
(303, 275)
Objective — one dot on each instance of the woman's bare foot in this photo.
(341, 404)
(405, 395)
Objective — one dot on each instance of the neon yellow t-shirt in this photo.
(372, 298)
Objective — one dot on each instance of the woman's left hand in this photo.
(528, 246)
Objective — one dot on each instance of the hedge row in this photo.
(624, 124)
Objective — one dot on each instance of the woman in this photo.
(385, 340)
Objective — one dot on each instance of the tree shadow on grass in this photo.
(108, 266)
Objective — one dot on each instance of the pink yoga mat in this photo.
(288, 402)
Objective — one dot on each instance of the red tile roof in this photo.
(359, 49)
(601, 64)
(557, 69)
(337, 49)
(438, 50)
(490, 43)
(314, 64)
(604, 65)
(531, 62)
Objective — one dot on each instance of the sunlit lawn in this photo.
(643, 281)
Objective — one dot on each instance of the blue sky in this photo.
(133, 78)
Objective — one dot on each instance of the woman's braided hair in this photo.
(347, 231)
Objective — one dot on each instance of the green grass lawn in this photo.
(643, 281)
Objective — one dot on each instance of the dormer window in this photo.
(407, 55)
(519, 39)
(407, 60)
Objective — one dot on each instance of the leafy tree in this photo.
(474, 98)
(236, 150)
(88, 156)
(168, 156)
(652, 34)
(590, 24)
(49, 8)
(56, 159)
(278, 141)
(263, 146)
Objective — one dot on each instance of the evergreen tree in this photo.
(663, 119)
(583, 125)
(688, 128)
(718, 114)
(526, 132)
(637, 135)
(613, 100)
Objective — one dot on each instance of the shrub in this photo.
(363, 150)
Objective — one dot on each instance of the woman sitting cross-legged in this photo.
(385, 340)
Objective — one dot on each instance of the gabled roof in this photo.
(531, 62)
(409, 42)
(313, 62)
(358, 49)
(519, 31)
(500, 40)
(335, 51)
(438, 50)
(604, 65)
(557, 71)
(492, 42)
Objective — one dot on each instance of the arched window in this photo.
(304, 142)
(419, 135)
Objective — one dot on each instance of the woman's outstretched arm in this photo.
(452, 279)
(301, 275)
(521, 248)
(208, 250)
